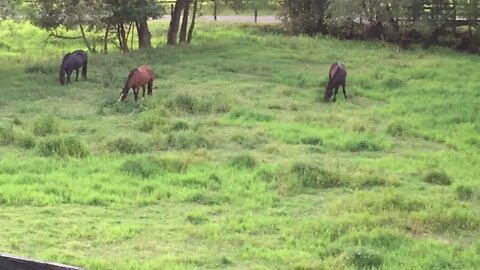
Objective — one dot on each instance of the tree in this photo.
(304, 16)
(9, 8)
(68, 14)
(138, 12)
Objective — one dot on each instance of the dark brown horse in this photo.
(73, 61)
(337, 77)
(139, 77)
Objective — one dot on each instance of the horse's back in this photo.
(338, 70)
(141, 75)
(146, 71)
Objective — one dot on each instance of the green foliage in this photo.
(243, 162)
(62, 146)
(244, 115)
(278, 214)
(437, 178)
(20, 138)
(185, 140)
(125, 145)
(46, 125)
(143, 167)
(464, 193)
(363, 258)
(313, 176)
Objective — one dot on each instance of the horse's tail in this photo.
(84, 68)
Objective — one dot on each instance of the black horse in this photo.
(337, 77)
(73, 61)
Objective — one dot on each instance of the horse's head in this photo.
(123, 94)
(328, 93)
(62, 76)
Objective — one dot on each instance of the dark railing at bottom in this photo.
(10, 262)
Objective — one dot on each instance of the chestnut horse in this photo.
(137, 78)
(337, 77)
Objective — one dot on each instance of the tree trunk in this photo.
(192, 24)
(214, 10)
(105, 39)
(183, 28)
(85, 39)
(256, 15)
(144, 36)
(174, 22)
(122, 38)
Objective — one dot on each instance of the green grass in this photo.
(235, 162)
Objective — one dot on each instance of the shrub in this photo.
(393, 83)
(243, 162)
(46, 67)
(312, 141)
(45, 125)
(240, 114)
(464, 192)
(437, 178)
(6, 136)
(183, 102)
(62, 147)
(397, 128)
(125, 146)
(179, 125)
(11, 136)
(362, 144)
(144, 167)
(148, 166)
(149, 122)
(25, 140)
(312, 176)
(185, 140)
(363, 258)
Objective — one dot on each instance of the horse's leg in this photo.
(69, 73)
(143, 93)
(335, 93)
(150, 87)
(344, 93)
(77, 75)
(84, 71)
(135, 92)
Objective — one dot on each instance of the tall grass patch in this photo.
(62, 146)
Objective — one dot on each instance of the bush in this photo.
(44, 68)
(62, 147)
(312, 176)
(140, 167)
(243, 162)
(149, 166)
(397, 128)
(185, 140)
(11, 136)
(149, 122)
(179, 125)
(125, 146)
(312, 141)
(363, 258)
(45, 125)
(183, 102)
(464, 192)
(240, 114)
(437, 178)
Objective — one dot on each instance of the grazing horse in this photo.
(73, 61)
(137, 78)
(337, 76)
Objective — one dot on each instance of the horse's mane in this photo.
(130, 76)
(65, 59)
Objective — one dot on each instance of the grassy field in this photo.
(235, 162)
